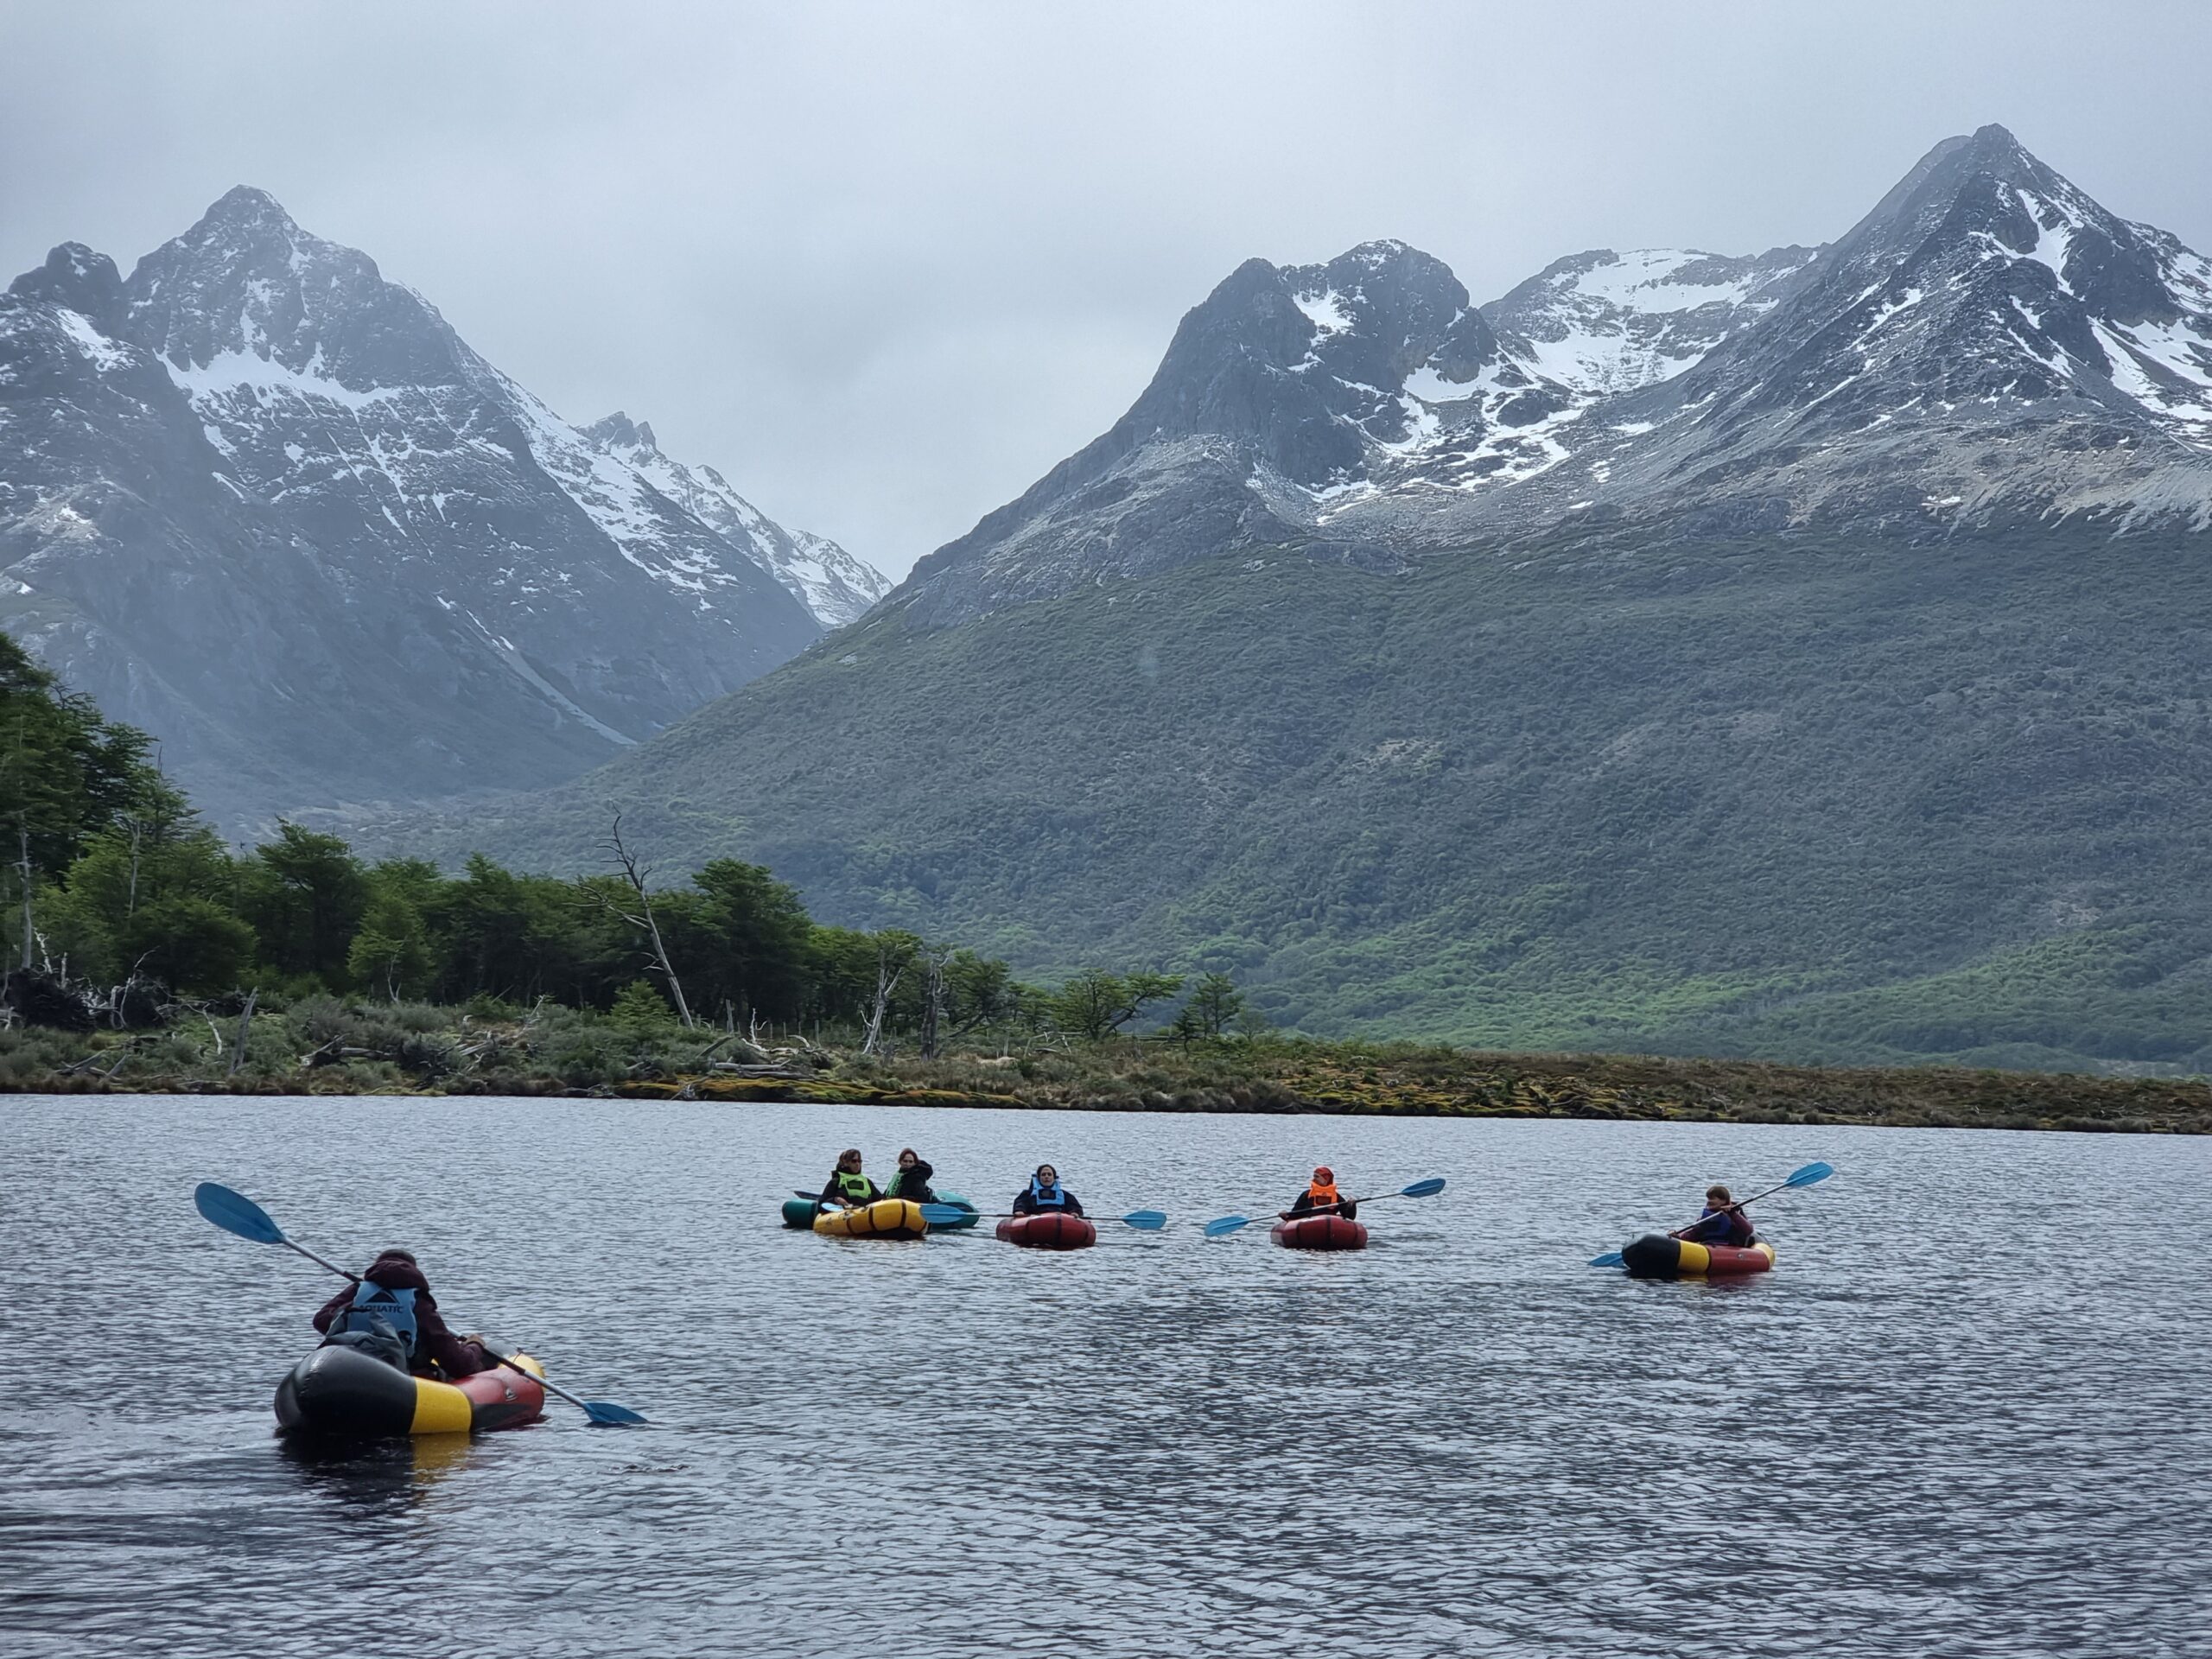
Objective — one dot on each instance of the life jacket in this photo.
(1736, 1232)
(1320, 1197)
(856, 1187)
(1054, 1197)
(372, 1302)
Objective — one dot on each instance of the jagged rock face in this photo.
(829, 581)
(1988, 346)
(270, 506)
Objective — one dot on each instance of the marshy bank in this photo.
(329, 1045)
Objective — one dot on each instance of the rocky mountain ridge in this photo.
(1800, 655)
(1988, 346)
(268, 505)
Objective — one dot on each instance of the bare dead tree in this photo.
(891, 965)
(934, 960)
(23, 835)
(246, 1023)
(643, 920)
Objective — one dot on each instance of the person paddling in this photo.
(1045, 1193)
(846, 1185)
(1723, 1222)
(1321, 1197)
(913, 1180)
(393, 1294)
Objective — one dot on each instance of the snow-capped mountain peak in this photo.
(1985, 280)
(1988, 343)
(264, 501)
(821, 576)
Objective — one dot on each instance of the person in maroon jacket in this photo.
(395, 1292)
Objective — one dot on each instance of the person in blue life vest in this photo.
(847, 1185)
(1321, 1197)
(1723, 1222)
(1045, 1195)
(394, 1294)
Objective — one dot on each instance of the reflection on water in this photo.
(382, 1476)
(1963, 1416)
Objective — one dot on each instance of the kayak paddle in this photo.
(234, 1212)
(1805, 1177)
(1427, 1189)
(604, 1412)
(1145, 1221)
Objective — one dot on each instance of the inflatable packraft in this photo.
(1330, 1232)
(1049, 1230)
(341, 1392)
(885, 1218)
(1657, 1256)
(800, 1214)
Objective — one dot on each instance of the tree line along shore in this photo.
(324, 1045)
(144, 955)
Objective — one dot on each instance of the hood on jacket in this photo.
(396, 1270)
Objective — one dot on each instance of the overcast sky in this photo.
(883, 265)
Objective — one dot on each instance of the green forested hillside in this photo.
(1814, 800)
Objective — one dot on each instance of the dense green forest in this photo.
(120, 899)
(1807, 797)
(145, 954)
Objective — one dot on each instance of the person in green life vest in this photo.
(913, 1180)
(846, 1185)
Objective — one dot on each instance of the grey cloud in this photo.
(882, 265)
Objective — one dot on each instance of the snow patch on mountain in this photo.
(821, 576)
(1604, 323)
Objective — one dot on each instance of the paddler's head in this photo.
(1047, 1176)
(1324, 1176)
(908, 1158)
(1717, 1194)
(850, 1160)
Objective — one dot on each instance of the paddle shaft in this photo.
(545, 1382)
(352, 1278)
(1737, 1204)
(1332, 1209)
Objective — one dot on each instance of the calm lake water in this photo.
(1966, 1415)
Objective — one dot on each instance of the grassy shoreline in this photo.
(1279, 1075)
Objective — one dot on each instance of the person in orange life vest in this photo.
(1321, 1197)
(1723, 1222)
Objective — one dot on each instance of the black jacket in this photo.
(1303, 1204)
(913, 1183)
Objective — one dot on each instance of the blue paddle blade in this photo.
(1610, 1259)
(607, 1415)
(1226, 1224)
(1427, 1189)
(942, 1213)
(234, 1212)
(1146, 1221)
(1810, 1174)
